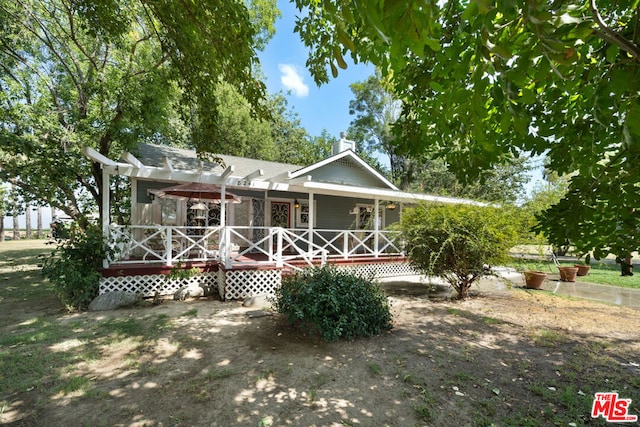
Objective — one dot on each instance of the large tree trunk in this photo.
(1, 228)
(16, 224)
(626, 268)
(27, 222)
(40, 231)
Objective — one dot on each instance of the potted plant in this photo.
(583, 269)
(568, 273)
(534, 279)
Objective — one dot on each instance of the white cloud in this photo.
(292, 80)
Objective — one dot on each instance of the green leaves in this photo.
(73, 266)
(333, 303)
(457, 242)
(480, 81)
(113, 73)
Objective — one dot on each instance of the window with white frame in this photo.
(303, 214)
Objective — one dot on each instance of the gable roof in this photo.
(185, 159)
(349, 159)
(355, 171)
(344, 174)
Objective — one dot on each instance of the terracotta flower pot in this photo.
(534, 279)
(568, 274)
(583, 270)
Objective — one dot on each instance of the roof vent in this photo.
(343, 144)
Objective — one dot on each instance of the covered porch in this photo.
(280, 218)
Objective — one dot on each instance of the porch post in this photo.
(312, 214)
(106, 178)
(223, 242)
(134, 202)
(376, 227)
(279, 261)
(223, 203)
(225, 251)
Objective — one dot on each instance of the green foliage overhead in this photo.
(481, 81)
(113, 73)
(458, 242)
(376, 111)
(334, 304)
(73, 267)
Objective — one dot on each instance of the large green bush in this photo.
(73, 267)
(459, 242)
(333, 303)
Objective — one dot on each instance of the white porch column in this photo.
(106, 178)
(223, 205)
(223, 242)
(134, 201)
(312, 215)
(376, 227)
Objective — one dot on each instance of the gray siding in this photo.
(346, 175)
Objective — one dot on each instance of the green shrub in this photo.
(73, 267)
(335, 304)
(458, 242)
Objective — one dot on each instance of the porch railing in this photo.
(233, 245)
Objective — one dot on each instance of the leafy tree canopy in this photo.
(376, 111)
(281, 138)
(109, 74)
(484, 80)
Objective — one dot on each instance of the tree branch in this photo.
(611, 36)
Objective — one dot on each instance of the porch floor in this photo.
(257, 261)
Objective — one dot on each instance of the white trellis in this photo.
(236, 284)
(240, 284)
(151, 284)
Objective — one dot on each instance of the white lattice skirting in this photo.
(149, 284)
(236, 284)
(240, 284)
(391, 269)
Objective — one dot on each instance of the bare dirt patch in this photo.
(512, 357)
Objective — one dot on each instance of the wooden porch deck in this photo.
(257, 261)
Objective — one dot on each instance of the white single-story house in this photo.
(243, 222)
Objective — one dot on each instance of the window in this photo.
(303, 214)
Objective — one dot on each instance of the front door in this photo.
(281, 214)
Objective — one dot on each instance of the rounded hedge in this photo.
(334, 304)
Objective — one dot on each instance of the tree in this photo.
(15, 207)
(111, 74)
(544, 196)
(279, 138)
(458, 242)
(376, 111)
(503, 183)
(3, 209)
(309, 150)
(481, 81)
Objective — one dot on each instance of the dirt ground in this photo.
(513, 357)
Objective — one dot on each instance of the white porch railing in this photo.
(245, 245)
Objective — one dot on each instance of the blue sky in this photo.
(283, 63)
